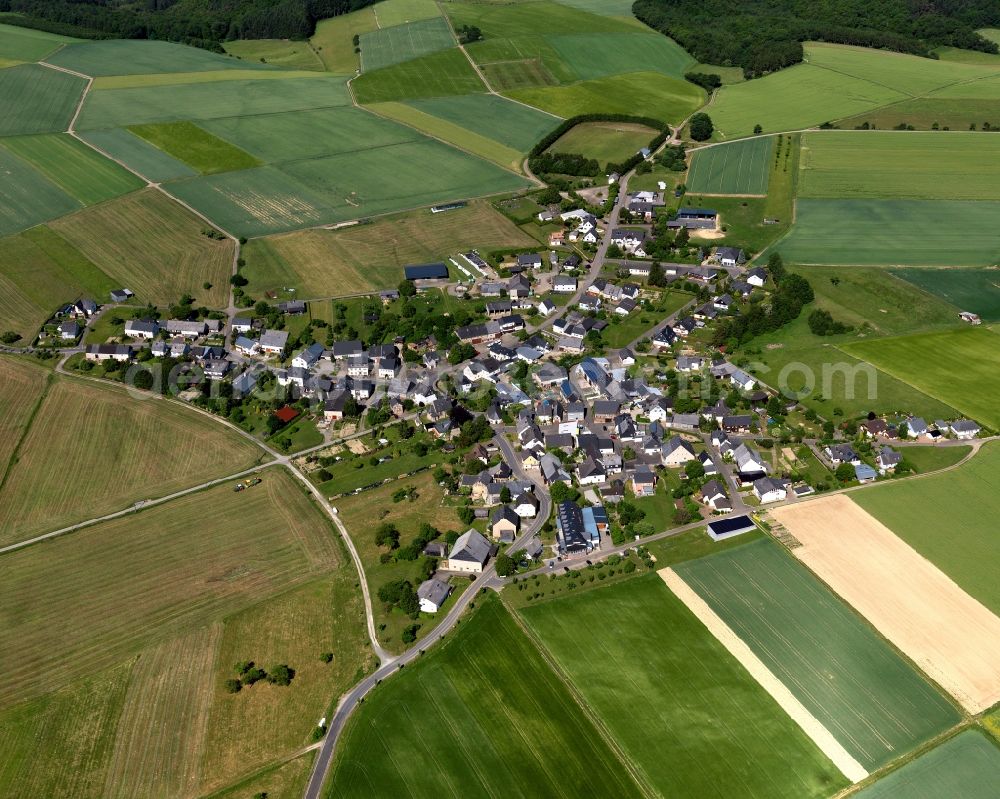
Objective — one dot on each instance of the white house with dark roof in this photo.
(432, 594)
(469, 554)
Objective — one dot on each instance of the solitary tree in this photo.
(701, 127)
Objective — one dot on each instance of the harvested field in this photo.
(92, 450)
(22, 386)
(86, 601)
(867, 696)
(154, 246)
(953, 638)
(36, 99)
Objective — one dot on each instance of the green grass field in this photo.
(196, 147)
(867, 696)
(947, 519)
(480, 714)
(214, 76)
(399, 12)
(519, 62)
(113, 108)
(502, 20)
(83, 174)
(960, 370)
(333, 39)
(39, 271)
(139, 154)
(27, 197)
(967, 765)
(387, 46)
(661, 684)
(659, 96)
(607, 142)
(894, 233)
(26, 44)
(274, 138)
(925, 112)
(597, 55)
(37, 99)
(325, 263)
(738, 168)
(885, 165)
(152, 245)
(440, 74)
(141, 57)
(509, 123)
(74, 463)
(277, 52)
(976, 290)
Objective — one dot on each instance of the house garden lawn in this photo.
(948, 518)
(325, 263)
(333, 39)
(681, 681)
(39, 270)
(86, 176)
(36, 99)
(607, 142)
(92, 450)
(277, 52)
(300, 434)
(446, 72)
(26, 44)
(976, 290)
(961, 371)
(866, 232)
(661, 97)
(174, 256)
(474, 708)
(138, 154)
(932, 458)
(89, 600)
(871, 700)
(142, 57)
(196, 147)
(393, 45)
(512, 124)
(967, 765)
(622, 332)
(885, 164)
(741, 167)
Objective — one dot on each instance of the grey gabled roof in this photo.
(434, 590)
(470, 546)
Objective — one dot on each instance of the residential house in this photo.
(564, 284)
(530, 260)
(643, 481)
(504, 524)
(308, 357)
(714, 495)
(109, 352)
(247, 346)
(142, 328)
(757, 277)
(677, 452)
(729, 256)
(888, 459)
(68, 331)
(964, 429)
(469, 553)
(525, 505)
(273, 342)
(571, 536)
(767, 489)
(842, 453)
(432, 594)
(864, 473)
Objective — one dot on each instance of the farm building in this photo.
(694, 219)
(469, 554)
(435, 271)
(730, 527)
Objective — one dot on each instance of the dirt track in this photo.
(952, 637)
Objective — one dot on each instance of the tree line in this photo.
(201, 23)
(762, 36)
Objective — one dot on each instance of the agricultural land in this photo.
(739, 168)
(976, 290)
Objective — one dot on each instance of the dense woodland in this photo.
(762, 36)
(203, 23)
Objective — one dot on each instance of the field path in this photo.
(810, 725)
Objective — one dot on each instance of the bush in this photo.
(410, 633)
(233, 686)
(281, 674)
(254, 675)
(318, 732)
(326, 657)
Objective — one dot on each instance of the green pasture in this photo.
(966, 766)
(926, 112)
(481, 714)
(909, 74)
(738, 168)
(36, 99)
(501, 20)
(113, 108)
(521, 61)
(276, 52)
(956, 366)
(196, 147)
(886, 165)
(333, 40)
(443, 73)
(894, 233)
(26, 44)
(138, 154)
(655, 94)
(214, 76)
(799, 97)
(82, 173)
(510, 123)
(674, 698)
(966, 56)
(948, 518)
(141, 57)
(399, 12)
(387, 46)
(27, 197)
(976, 290)
(607, 142)
(597, 55)
(309, 134)
(853, 682)
(612, 8)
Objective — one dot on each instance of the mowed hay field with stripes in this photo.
(330, 263)
(480, 714)
(22, 383)
(741, 167)
(125, 633)
(37, 99)
(93, 450)
(870, 699)
(687, 715)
